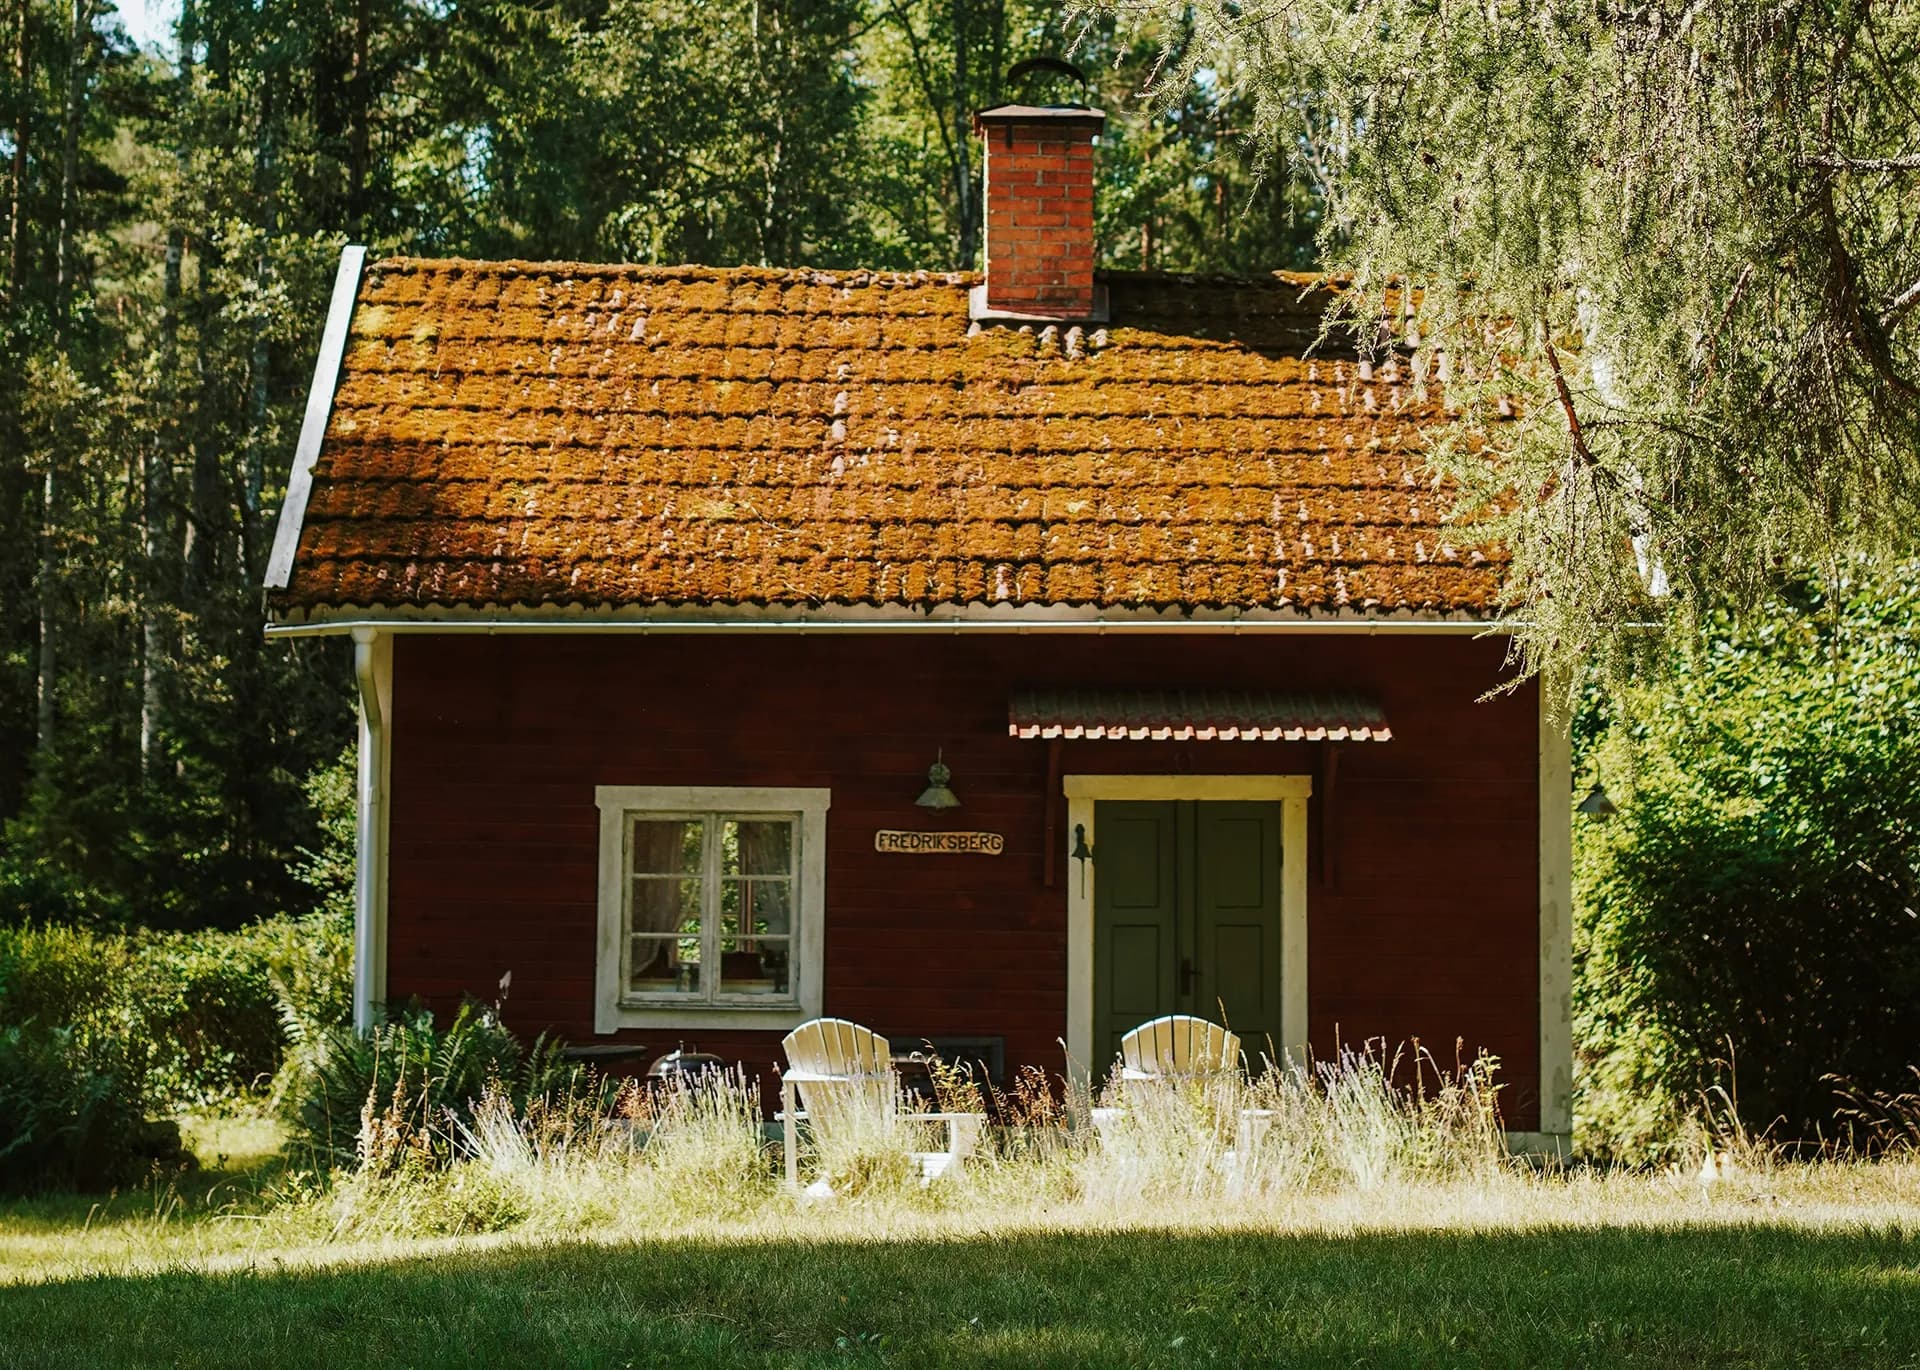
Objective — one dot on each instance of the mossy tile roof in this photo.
(507, 435)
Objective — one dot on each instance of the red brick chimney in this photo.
(1039, 198)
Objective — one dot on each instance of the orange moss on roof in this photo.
(511, 433)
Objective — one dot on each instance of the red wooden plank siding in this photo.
(1427, 926)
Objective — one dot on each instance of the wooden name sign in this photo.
(937, 843)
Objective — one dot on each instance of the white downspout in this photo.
(370, 828)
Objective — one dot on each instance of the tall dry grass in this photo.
(1360, 1122)
(684, 1149)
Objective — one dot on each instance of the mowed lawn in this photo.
(1748, 1295)
(1810, 1266)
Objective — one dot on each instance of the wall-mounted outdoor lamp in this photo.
(937, 795)
(1596, 805)
(1081, 853)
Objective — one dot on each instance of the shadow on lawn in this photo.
(1721, 1296)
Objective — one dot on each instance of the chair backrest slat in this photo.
(1179, 1044)
(857, 1064)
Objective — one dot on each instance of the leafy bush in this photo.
(207, 998)
(310, 958)
(1754, 901)
(73, 1114)
(410, 1077)
(61, 976)
(206, 1002)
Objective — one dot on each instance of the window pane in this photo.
(664, 904)
(664, 965)
(757, 846)
(666, 846)
(751, 907)
(753, 965)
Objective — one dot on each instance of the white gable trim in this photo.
(313, 428)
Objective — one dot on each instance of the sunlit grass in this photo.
(557, 1238)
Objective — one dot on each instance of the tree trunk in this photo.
(963, 146)
(253, 476)
(47, 682)
(157, 482)
(359, 115)
(64, 265)
(23, 116)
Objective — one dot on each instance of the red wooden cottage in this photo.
(998, 660)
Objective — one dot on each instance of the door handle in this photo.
(1186, 975)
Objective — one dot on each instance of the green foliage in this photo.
(328, 868)
(157, 332)
(199, 1010)
(409, 1078)
(206, 1003)
(1752, 914)
(1670, 266)
(73, 1114)
(309, 958)
(62, 976)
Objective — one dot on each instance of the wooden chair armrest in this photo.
(963, 1129)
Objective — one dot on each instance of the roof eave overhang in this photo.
(345, 619)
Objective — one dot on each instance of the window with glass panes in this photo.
(710, 907)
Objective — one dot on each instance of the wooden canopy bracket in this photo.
(1323, 791)
(1054, 799)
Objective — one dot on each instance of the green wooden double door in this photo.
(1186, 917)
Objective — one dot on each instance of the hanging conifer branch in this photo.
(1726, 194)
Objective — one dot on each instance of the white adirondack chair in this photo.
(1176, 1049)
(835, 1067)
(1180, 1050)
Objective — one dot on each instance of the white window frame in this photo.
(612, 1008)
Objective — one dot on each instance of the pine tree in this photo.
(1665, 263)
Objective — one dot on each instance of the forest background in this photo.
(172, 218)
(171, 230)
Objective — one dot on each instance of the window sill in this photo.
(703, 1018)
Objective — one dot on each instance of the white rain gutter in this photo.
(369, 893)
(356, 626)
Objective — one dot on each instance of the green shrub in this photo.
(310, 958)
(61, 976)
(309, 964)
(73, 1113)
(1753, 903)
(207, 1003)
(219, 1007)
(418, 1079)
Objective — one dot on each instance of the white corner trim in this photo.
(1556, 923)
(313, 428)
(1084, 792)
(373, 675)
(615, 802)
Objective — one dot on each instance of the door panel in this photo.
(1138, 959)
(1186, 919)
(1236, 876)
(1135, 921)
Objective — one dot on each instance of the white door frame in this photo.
(1084, 791)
